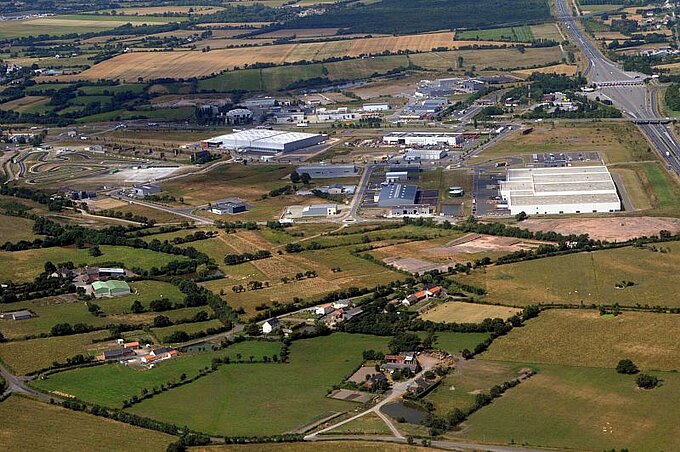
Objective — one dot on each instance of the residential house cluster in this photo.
(333, 314)
(133, 352)
(401, 361)
(425, 294)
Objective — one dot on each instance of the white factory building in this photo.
(423, 139)
(549, 191)
(265, 140)
(424, 154)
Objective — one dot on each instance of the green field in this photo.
(665, 191)
(111, 384)
(582, 409)
(24, 266)
(514, 34)
(162, 333)
(35, 354)
(263, 399)
(588, 278)
(454, 343)
(584, 338)
(35, 426)
(13, 229)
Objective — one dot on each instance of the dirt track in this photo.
(610, 229)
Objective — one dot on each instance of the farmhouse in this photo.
(228, 208)
(112, 288)
(434, 292)
(400, 362)
(423, 138)
(324, 309)
(576, 189)
(271, 325)
(328, 171)
(117, 353)
(397, 195)
(24, 314)
(265, 140)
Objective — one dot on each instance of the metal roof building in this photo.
(328, 171)
(320, 210)
(575, 189)
(266, 140)
(397, 195)
(110, 288)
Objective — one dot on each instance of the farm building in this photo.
(423, 139)
(24, 314)
(400, 362)
(109, 272)
(228, 208)
(328, 171)
(424, 154)
(118, 353)
(397, 195)
(265, 140)
(575, 189)
(414, 210)
(396, 176)
(320, 210)
(271, 325)
(145, 190)
(112, 288)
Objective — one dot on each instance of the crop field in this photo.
(325, 446)
(162, 333)
(57, 429)
(588, 278)
(27, 104)
(546, 31)
(61, 25)
(564, 69)
(26, 265)
(455, 343)
(13, 229)
(460, 386)
(515, 34)
(460, 312)
(111, 384)
(264, 399)
(35, 354)
(584, 338)
(489, 58)
(581, 409)
(616, 143)
(149, 65)
(612, 229)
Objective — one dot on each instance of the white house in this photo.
(324, 309)
(271, 325)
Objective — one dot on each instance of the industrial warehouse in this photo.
(423, 139)
(545, 191)
(328, 171)
(265, 140)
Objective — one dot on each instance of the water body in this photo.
(398, 410)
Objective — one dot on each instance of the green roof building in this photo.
(111, 288)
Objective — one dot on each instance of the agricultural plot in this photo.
(63, 430)
(459, 387)
(461, 312)
(13, 229)
(149, 65)
(584, 338)
(265, 399)
(588, 278)
(110, 385)
(580, 408)
(27, 104)
(25, 265)
(489, 58)
(325, 446)
(161, 334)
(514, 34)
(455, 343)
(563, 69)
(370, 424)
(611, 229)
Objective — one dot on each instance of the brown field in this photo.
(610, 229)
(321, 446)
(489, 58)
(130, 66)
(460, 312)
(25, 103)
(584, 338)
(477, 243)
(564, 69)
(610, 35)
(546, 31)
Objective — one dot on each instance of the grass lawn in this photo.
(57, 429)
(454, 343)
(581, 409)
(22, 266)
(26, 356)
(370, 424)
(460, 312)
(583, 338)
(162, 333)
(517, 34)
(469, 378)
(111, 384)
(61, 25)
(265, 399)
(588, 278)
(13, 229)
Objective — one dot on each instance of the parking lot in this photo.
(557, 160)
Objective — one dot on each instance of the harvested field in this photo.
(564, 69)
(460, 312)
(413, 264)
(351, 396)
(477, 243)
(610, 229)
(325, 446)
(585, 338)
(149, 65)
(299, 33)
(26, 104)
(489, 58)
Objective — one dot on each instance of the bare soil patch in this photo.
(476, 243)
(611, 229)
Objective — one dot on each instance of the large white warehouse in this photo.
(575, 189)
(265, 140)
(423, 139)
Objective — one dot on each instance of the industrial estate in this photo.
(339, 225)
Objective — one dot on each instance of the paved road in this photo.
(625, 199)
(628, 93)
(447, 445)
(162, 208)
(17, 385)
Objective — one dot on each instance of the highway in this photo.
(626, 90)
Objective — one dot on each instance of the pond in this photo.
(399, 410)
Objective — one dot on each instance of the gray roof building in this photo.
(328, 171)
(397, 195)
